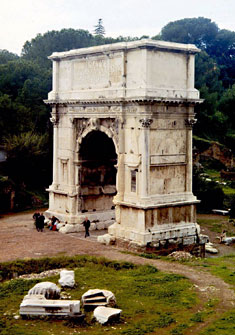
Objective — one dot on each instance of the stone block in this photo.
(68, 228)
(93, 226)
(106, 239)
(203, 239)
(42, 307)
(67, 278)
(179, 240)
(188, 240)
(79, 227)
(47, 289)
(112, 229)
(109, 189)
(105, 314)
(100, 225)
(97, 297)
(108, 223)
(209, 247)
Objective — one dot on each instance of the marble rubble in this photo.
(40, 306)
(43, 299)
(210, 248)
(105, 314)
(47, 289)
(106, 239)
(123, 115)
(67, 278)
(96, 297)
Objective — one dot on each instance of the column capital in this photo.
(190, 122)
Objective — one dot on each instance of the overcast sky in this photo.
(22, 20)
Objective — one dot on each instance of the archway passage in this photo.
(98, 173)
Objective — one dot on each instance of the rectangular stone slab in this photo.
(49, 307)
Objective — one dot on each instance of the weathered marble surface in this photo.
(47, 289)
(38, 306)
(67, 278)
(139, 97)
(105, 314)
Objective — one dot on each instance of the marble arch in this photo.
(141, 95)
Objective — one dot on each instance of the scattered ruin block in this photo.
(67, 278)
(96, 297)
(209, 247)
(36, 305)
(106, 239)
(92, 226)
(100, 225)
(108, 223)
(105, 314)
(47, 289)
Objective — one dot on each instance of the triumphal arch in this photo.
(123, 116)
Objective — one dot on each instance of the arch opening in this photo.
(98, 173)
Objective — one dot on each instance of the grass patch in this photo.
(223, 267)
(152, 301)
(223, 326)
(217, 225)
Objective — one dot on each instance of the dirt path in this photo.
(19, 239)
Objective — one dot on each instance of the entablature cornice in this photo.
(139, 101)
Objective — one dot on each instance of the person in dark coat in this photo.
(36, 220)
(41, 220)
(86, 224)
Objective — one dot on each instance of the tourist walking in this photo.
(86, 224)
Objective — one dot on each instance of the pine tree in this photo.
(99, 28)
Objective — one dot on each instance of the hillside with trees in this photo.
(25, 130)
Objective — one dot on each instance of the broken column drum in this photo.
(123, 116)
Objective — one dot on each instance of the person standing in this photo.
(86, 224)
(41, 220)
(36, 220)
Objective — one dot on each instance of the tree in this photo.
(27, 158)
(223, 50)
(42, 46)
(209, 192)
(200, 31)
(6, 56)
(23, 86)
(99, 28)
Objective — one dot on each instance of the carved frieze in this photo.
(146, 123)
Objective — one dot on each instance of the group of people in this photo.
(53, 223)
(39, 220)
